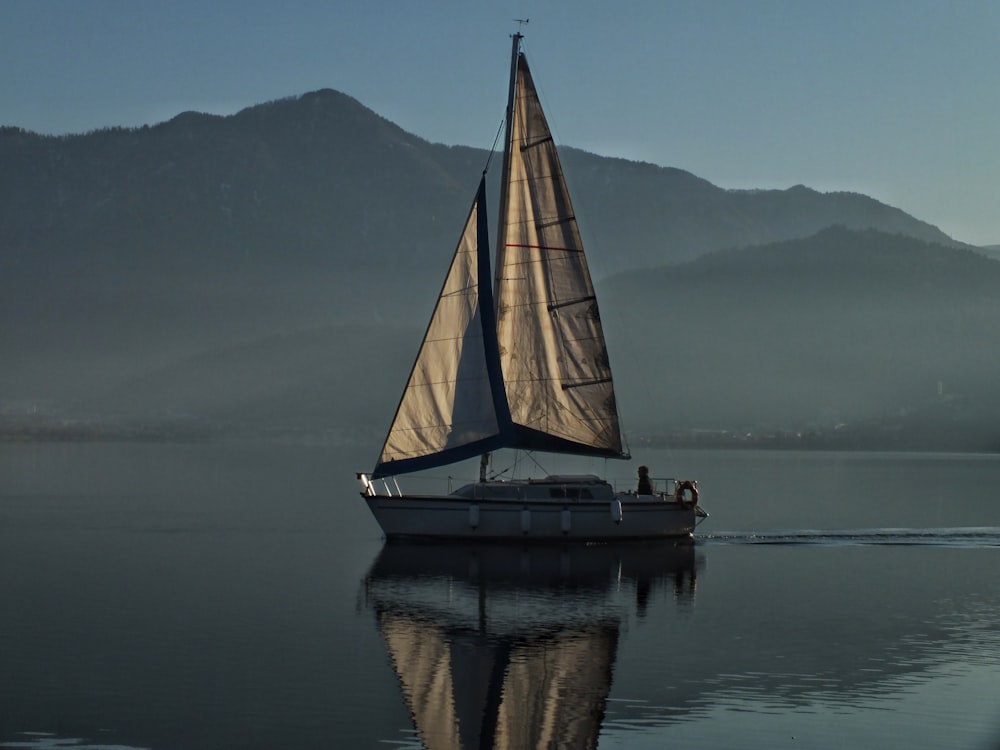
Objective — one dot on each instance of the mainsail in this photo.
(531, 371)
(552, 350)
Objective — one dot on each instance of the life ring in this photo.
(687, 486)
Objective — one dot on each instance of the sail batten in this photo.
(547, 248)
(570, 302)
(544, 139)
(585, 383)
(554, 222)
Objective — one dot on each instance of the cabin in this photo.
(554, 487)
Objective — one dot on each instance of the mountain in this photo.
(990, 251)
(269, 267)
(839, 328)
(320, 186)
(648, 215)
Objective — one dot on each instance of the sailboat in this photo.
(517, 360)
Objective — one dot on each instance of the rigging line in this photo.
(531, 457)
(510, 468)
(429, 383)
(494, 149)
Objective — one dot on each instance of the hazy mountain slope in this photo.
(333, 378)
(839, 327)
(640, 215)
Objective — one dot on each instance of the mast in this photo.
(502, 214)
(505, 174)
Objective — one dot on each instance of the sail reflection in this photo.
(509, 646)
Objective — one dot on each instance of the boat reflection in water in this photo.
(513, 646)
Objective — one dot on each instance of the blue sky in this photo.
(897, 99)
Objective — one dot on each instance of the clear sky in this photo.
(897, 99)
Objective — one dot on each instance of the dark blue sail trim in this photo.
(528, 439)
(519, 437)
(487, 314)
(443, 458)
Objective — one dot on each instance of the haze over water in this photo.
(239, 595)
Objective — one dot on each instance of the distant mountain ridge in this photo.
(148, 268)
(321, 179)
(298, 210)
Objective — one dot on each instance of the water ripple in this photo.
(973, 537)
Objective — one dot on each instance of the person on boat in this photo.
(645, 484)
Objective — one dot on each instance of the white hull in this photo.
(451, 517)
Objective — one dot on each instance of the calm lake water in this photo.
(240, 596)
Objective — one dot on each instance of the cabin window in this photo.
(572, 493)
